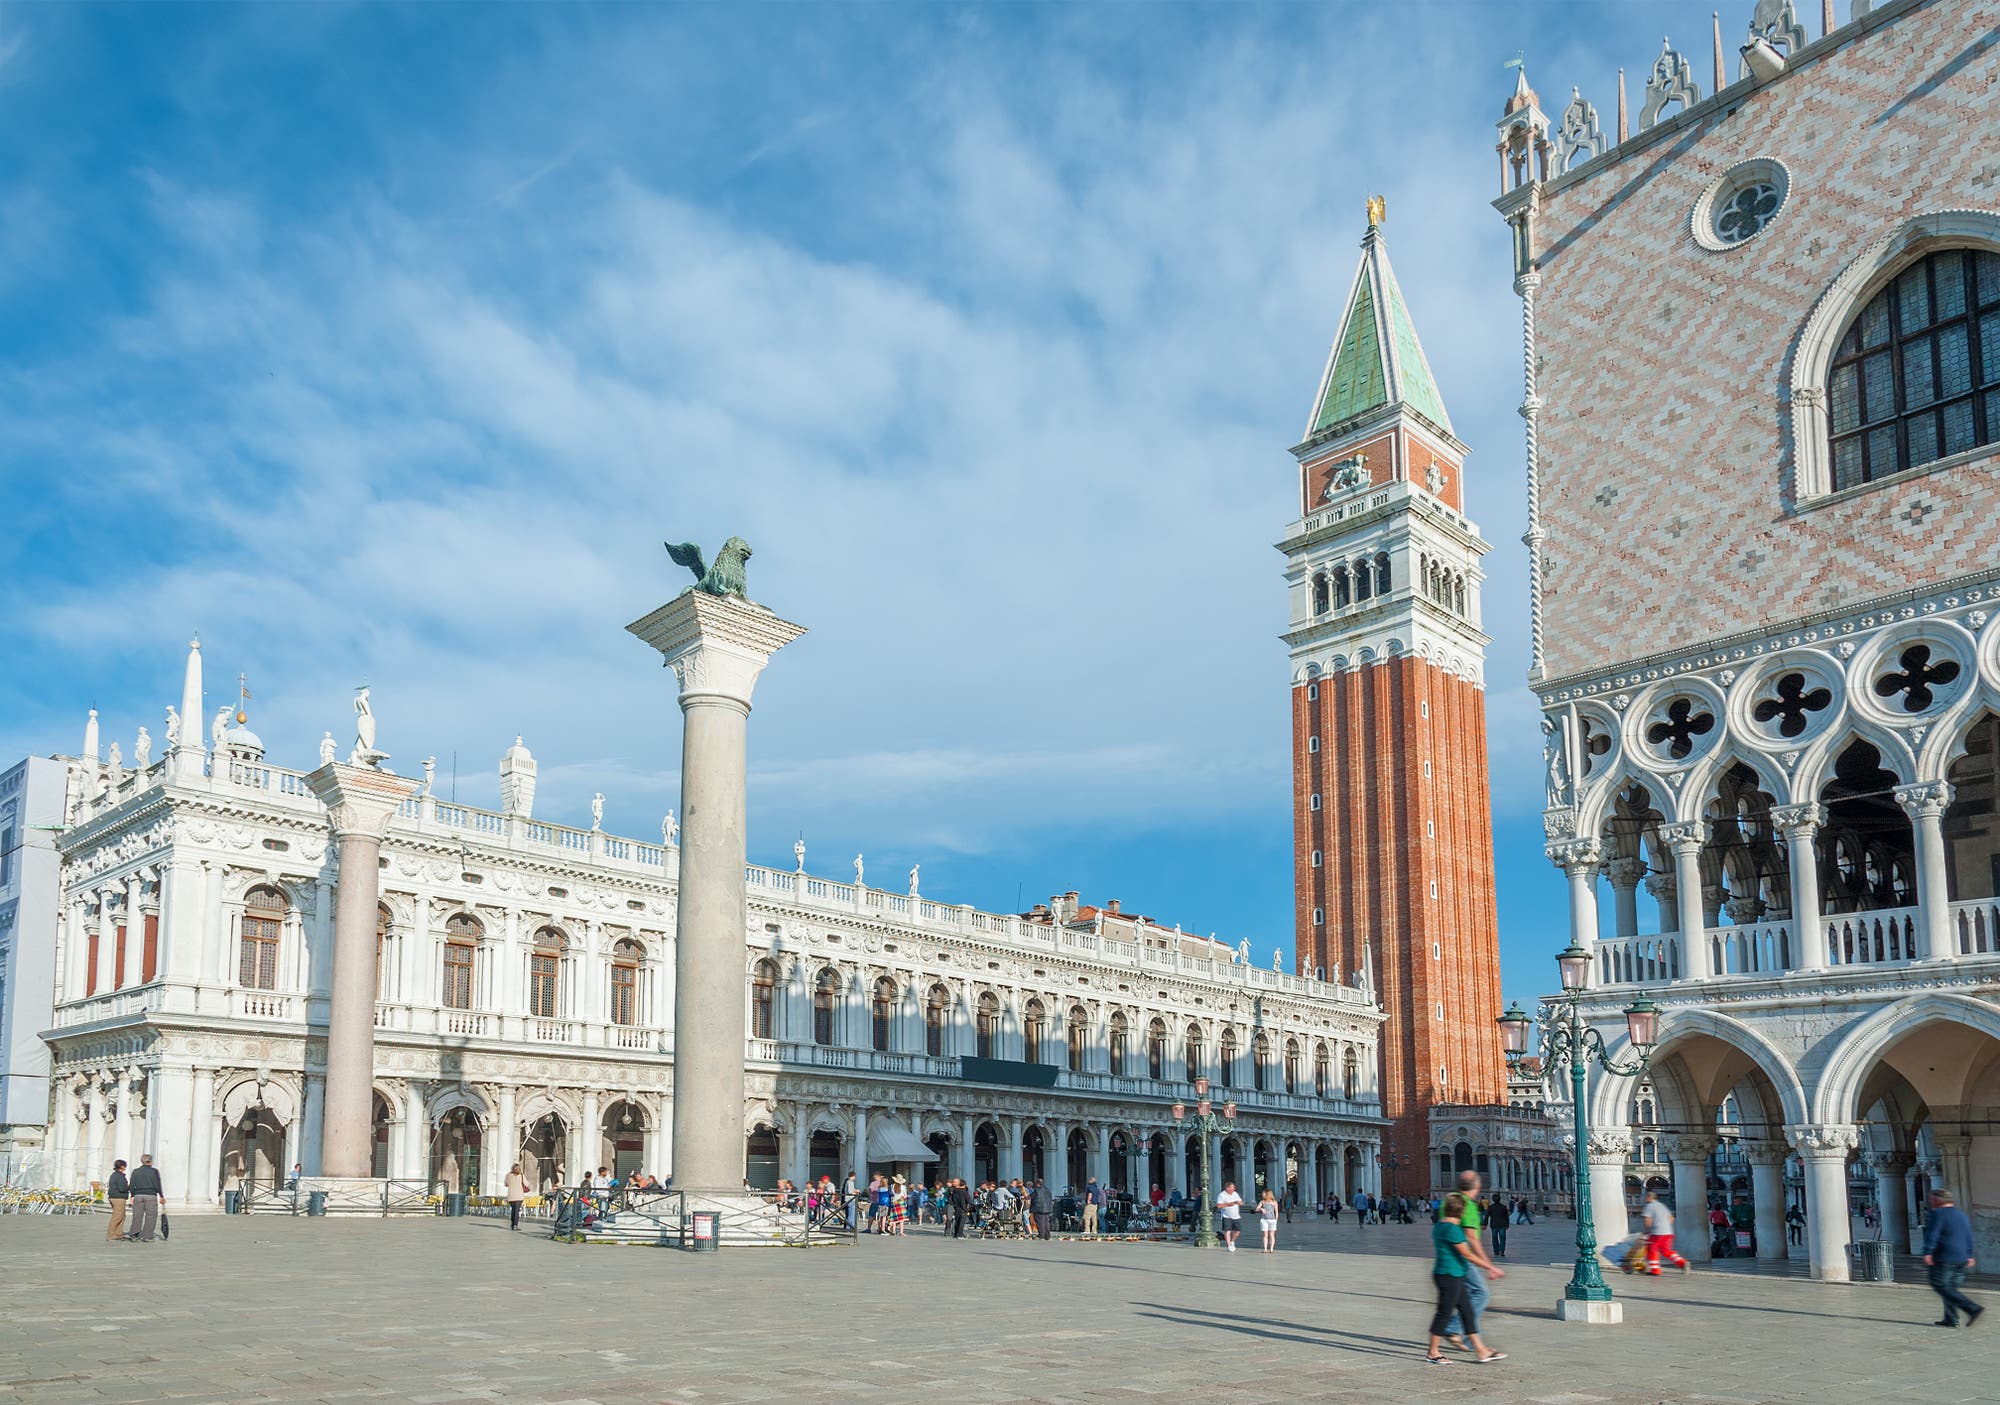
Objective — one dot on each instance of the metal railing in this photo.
(666, 1217)
(366, 1197)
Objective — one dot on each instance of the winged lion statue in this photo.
(722, 577)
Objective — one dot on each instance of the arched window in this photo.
(1364, 581)
(381, 943)
(1322, 1070)
(1194, 1052)
(764, 1000)
(545, 973)
(1225, 1072)
(1350, 1075)
(1381, 573)
(625, 958)
(1079, 1037)
(1118, 1031)
(1917, 376)
(1291, 1065)
(263, 921)
(937, 1012)
(986, 1026)
(1034, 1029)
(1458, 594)
(1260, 1056)
(882, 1016)
(461, 944)
(1342, 593)
(1322, 595)
(826, 997)
(1156, 1049)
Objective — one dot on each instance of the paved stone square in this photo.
(435, 1311)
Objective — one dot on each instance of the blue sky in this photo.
(389, 342)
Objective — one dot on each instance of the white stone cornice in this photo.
(359, 800)
(716, 645)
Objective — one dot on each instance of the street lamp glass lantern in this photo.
(1229, 1111)
(1180, 1111)
(1514, 1026)
(1201, 1087)
(1642, 1023)
(1574, 963)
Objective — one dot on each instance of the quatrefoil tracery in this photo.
(1793, 702)
(1919, 680)
(1682, 725)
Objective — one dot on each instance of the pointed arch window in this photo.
(545, 973)
(937, 1013)
(1916, 377)
(826, 998)
(882, 1016)
(986, 1026)
(764, 1000)
(462, 932)
(1079, 1037)
(263, 923)
(625, 959)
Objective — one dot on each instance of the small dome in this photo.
(241, 742)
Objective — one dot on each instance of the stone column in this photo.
(360, 801)
(1625, 875)
(125, 1094)
(506, 1148)
(1610, 1148)
(1800, 824)
(1892, 1196)
(1690, 1153)
(1177, 1170)
(1100, 1157)
(1684, 840)
(1010, 1148)
(1825, 1150)
(312, 1117)
(857, 1151)
(1664, 890)
(717, 646)
(590, 1138)
(961, 1151)
(1925, 805)
(127, 972)
(107, 942)
(1767, 1196)
(416, 1156)
(203, 1143)
(1579, 859)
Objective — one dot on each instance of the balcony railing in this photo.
(1891, 937)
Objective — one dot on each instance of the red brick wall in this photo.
(1386, 833)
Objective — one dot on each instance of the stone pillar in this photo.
(590, 1138)
(203, 1138)
(1010, 1148)
(857, 1147)
(417, 1136)
(1625, 875)
(1800, 824)
(125, 1086)
(312, 1117)
(1767, 1195)
(1579, 859)
(1610, 1148)
(506, 1148)
(1690, 1153)
(1684, 840)
(1100, 1157)
(1925, 805)
(717, 646)
(360, 801)
(127, 973)
(1892, 1196)
(1664, 890)
(1177, 1170)
(961, 1151)
(1825, 1150)
(107, 942)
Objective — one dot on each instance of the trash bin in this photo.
(232, 1202)
(454, 1204)
(1878, 1261)
(315, 1202)
(705, 1231)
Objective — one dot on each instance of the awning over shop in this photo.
(891, 1141)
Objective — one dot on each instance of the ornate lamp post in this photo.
(1205, 1124)
(1568, 1038)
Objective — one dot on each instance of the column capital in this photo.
(1926, 800)
(1662, 886)
(1626, 873)
(1684, 838)
(1890, 1163)
(716, 645)
(359, 800)
(1610, 1143)
(1833, 1141)
(1688, 1146)
(1798, 821)
(1577, 855)
(1762, 1153)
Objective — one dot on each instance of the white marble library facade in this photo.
(525, 994)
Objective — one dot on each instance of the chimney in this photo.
(1112, 907)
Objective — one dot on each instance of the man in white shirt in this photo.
(1230, 1206)
(1659, 1223)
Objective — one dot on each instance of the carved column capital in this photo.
(1824, 1142)
(1683, 839)
(1927, 800)
(1610, 1143)
(1577, 855)
(1798, 821)
(1625, 873)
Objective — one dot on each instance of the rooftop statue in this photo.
(724, 577)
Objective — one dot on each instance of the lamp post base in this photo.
(1606, 1313)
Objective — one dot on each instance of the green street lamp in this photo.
(1205, 1124)
(1567, 1038)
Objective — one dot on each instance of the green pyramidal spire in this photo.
(1377, 360)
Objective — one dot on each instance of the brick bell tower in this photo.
(1392, 810)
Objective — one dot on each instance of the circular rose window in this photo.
(1741, 204)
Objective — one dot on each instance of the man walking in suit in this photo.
(1042, 1205)
(116, 1190)
(146, 1194)
(959, 1198)
(1948, 1254)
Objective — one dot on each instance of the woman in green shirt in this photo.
(1454, 1251)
